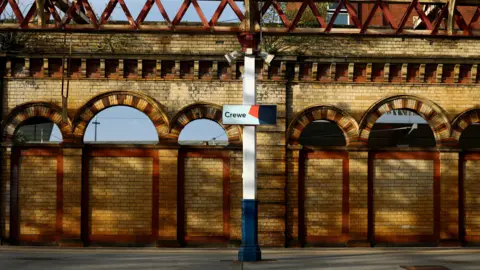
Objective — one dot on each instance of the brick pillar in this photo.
(5, 195)
(358, 171)
(72, 196)
(449, 199)
(167, 232)
(292, 196)
(236, 192)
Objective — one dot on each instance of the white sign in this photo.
(249, 115)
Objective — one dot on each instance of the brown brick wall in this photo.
(358, 178)
(5, 201)
(72, 191)
(203, 197)
(168, 194)
(323, 197)
(449, 195)
(38, 195)
(472, 195)
(121, 195)
(236, 194)
(403, 197)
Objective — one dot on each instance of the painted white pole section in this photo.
(249, 132)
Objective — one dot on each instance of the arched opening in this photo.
(203, 132)
(470, 137)
(121, 124)
(322, 133)
(37, 130)
(401, 128)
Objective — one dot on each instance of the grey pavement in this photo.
(296, 258)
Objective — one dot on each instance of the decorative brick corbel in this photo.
(386, 72)
(456, 73)
(196, 68)
(368, 72)
(474, 73)
(83, 68)
(297, 72)
(177, 69)
(45, 67)
(439, 74)
(140, 68)
(26, 68)
(158, 69)
(404, 72)
(121, 68)
(314, 71)
(283, 70)
(333, 70)
(215, 70)
(351, 70)
(421, 73)
(233, 71)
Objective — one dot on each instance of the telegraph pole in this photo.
(96, 123)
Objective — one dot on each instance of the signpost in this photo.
(252, 115)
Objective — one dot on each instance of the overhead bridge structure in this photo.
(447, 17)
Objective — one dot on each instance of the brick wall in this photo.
(358, 172)
(5, 201)
(472, 195)
(203, 197)
(403, 197)
(38, 195)
(121, 196)
(168, 194)
(323, 197)
(72, 191)
(449, 195)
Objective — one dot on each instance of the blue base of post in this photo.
(249, 251)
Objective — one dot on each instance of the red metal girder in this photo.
(278, 9)
(438, 21)
(461, 22)
(334, 16)
(53, 11)
(68, 15)
(369, 18)
(406, 16)
(218, 13)
(200, 14)
(297, 18)
(181, 12)
(16, 10)
(423, 16)
(163, 12)
(90, 13)
(144, 12)
(3, 5)
(127, 13)
(475, 18)
(316, 13)
(236, 10)
(108, 11)
(30, 14)
(386, 14)
(353, 13)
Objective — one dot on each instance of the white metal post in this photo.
(249, 251)
(249, 132)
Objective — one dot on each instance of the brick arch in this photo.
(26, 111)
(141, 102)
(344, 120)
(431, 112)
(462, 121)
(203, 110)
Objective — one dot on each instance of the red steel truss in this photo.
(434, 23)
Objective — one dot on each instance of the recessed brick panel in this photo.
(403, 197)
(472, 198)
(120, 196)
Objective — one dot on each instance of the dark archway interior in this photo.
(401, 128)
(322, 133)
(470, 138)
(37, 129)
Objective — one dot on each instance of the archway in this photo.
(37, 130)
(428, 110)
(141, 102)
(203, 132)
